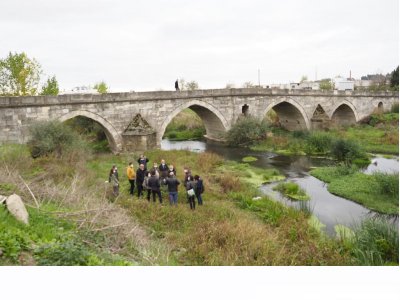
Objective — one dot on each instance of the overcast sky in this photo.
(146, 45)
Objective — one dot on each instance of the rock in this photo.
(17, 208)
(257, 198)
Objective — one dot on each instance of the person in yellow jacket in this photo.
(130, 172)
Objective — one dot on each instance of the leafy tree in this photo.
(248, 84)
(182, 84)
(192, 85)
(394, 79)
(303, 78)
(101, 87)
(19, 75)
(50, 87)
(246, 132)
(325, 84)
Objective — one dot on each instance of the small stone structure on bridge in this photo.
(137, 121)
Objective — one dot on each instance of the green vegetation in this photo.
(291, 190)
(252, 175)
(187, 125)
(349, 152)
(377, 134)
(394, 79)
(53, 137)
(101, 87)
(248, 159)
(379, 192)
(19, 75)
(376, 243)
(73, 195)
(48, 240)
(246, 131)
(51, 87)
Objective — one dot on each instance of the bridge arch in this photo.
(113, 137)
(344, 114)
(292, 115)
(214, 122)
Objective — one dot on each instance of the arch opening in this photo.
(343, 116)
(97, 131)
(380, 107)
(286, 115)
(209, 122)
(245, 110)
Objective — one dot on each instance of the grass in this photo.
(187, 125)
(248, 159)
(252, 175)
(378, 192)
(292, 191)
(380, 134)
(221, 232)
(48, 240)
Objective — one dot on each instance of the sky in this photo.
(146, 45)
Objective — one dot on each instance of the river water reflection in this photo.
(330, 209)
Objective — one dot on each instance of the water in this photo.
(330, 209)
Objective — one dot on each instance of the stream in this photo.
(330, 209)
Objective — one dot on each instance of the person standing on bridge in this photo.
(176, 85)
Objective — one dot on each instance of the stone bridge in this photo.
(137, 121)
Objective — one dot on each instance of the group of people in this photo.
(150, 181)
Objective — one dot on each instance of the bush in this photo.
(291, 190)
(318, 142)
(347, 151)
(388, 183)
(52, 137)
(376, 242)
(246, 131)
(395, 108)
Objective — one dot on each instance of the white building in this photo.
(342, 84)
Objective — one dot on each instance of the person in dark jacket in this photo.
(163, 168)
(140, 174)
(172, 182)
(176, 85)
(190, 190)
(143, 160)
(199, 189)
(154, 186)
(172, 169)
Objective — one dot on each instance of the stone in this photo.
(17, 208)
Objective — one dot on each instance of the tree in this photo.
(19, 75)
(303, 78)
(394, 79)
(50, 87)
(101, 87)
(192, 85)
(325, 84)
(182, 84)
(248, 84)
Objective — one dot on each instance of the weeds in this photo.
(291, 190)
(376, 243)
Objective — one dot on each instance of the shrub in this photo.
(395, 108)
(347, 151)
(388, 183)
(318, 142)
(52, 137)
(291, 190)
(376, 242)
(246, 131)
